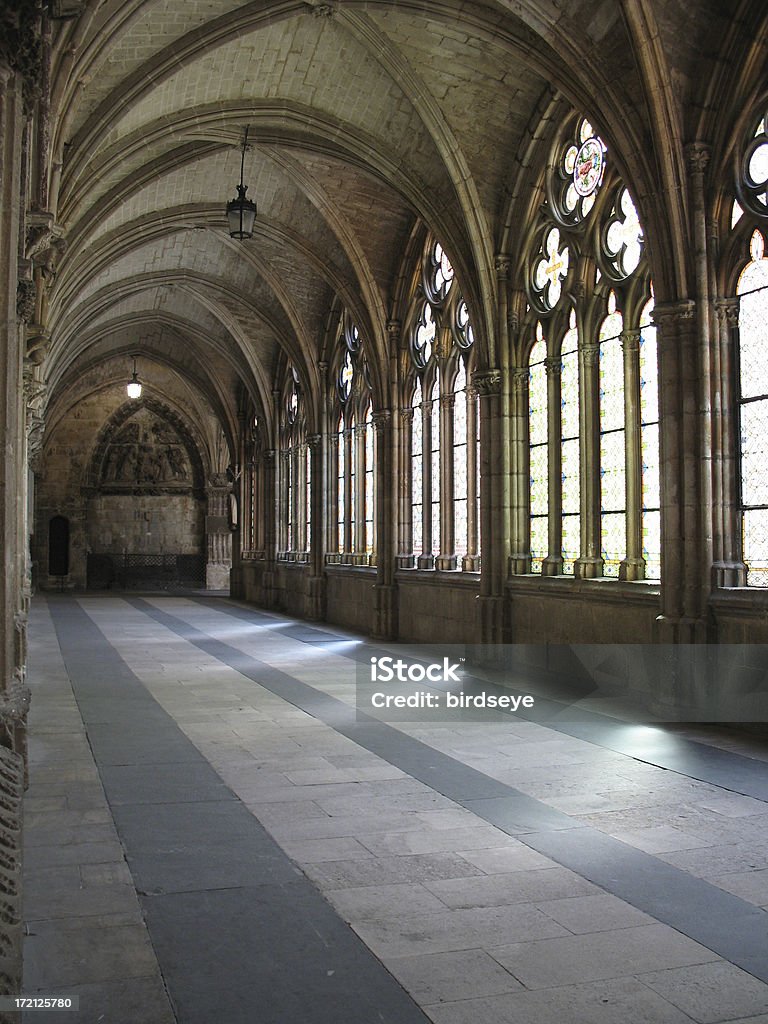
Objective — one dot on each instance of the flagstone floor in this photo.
(213, 834)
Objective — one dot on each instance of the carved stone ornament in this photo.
(728, 312)
(486, 382)
(630, 340)
(380, 419)
(521, 378)
(697, 156)
(25, 300)
(553, 366)
(665, 314)
(314, 440)
(38, 340)
(591, 355)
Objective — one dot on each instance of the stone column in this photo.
(316, 582)
(17, 300)
(633, 565)
(471, 561)
(358, 497)
(385, 591)
(697, 157)
(590, 563)
(520, 537)
(493, 527)
(728, 569)
(217, 533)
(446, 558)
(553, 563)
(681, 619)
(406, 556)
(271, 512)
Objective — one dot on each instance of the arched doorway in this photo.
(58, 546)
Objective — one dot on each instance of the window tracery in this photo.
(444, 425)
(591, 374)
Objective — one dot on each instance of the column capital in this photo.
(406, 415)
(501, 263)
(380, 419)
(486, 382)
(591, 355)
(728, 311)
(553, 366)
(521, 377)
(630, 339)
(697, 156)
(667, 313)
(313, 440)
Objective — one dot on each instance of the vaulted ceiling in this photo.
(363, 117)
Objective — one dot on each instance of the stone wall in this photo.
(127, 480)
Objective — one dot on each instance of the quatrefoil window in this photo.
(550, 270)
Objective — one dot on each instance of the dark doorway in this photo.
(58, 546)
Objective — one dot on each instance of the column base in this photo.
(729, 574)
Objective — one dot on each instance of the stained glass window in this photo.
(417, 470)
(460, 462)
(649, 442)
(580, 173)
(613, 500)
(351, 490)
(340, 462)
(753, 344)
(368, 482)
(308, 495)
(539, 463)
(755, 169)
(435, 465)
(624, 237)
(569, 446)
(288, 464)
(550, 270)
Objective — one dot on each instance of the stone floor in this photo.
(212, 833)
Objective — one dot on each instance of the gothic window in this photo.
(649, 444)
(578, 173)
(444, 462)
(569, 447)
(353, 450)
(753, 177)
(752, 290)
(295, 473)
(539, 457)
(417, 468)
(613, 495)
(592, 379)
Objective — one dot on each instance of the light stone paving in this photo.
(473, 923)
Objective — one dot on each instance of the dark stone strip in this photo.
(655, 746)
(239, 932)
(731, 927)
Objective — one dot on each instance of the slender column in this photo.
(471, 562)
(633, 565)
(729, 569)
(316, 583)
(349, 494)
(385, 591)
(520, 536)
(424, 558)
(553, 563)
(334, 531)
(488, 384)
(406, 556)
(218, 535)
(591, 561)
(271, 532)
(446, 559)
(710, 480)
